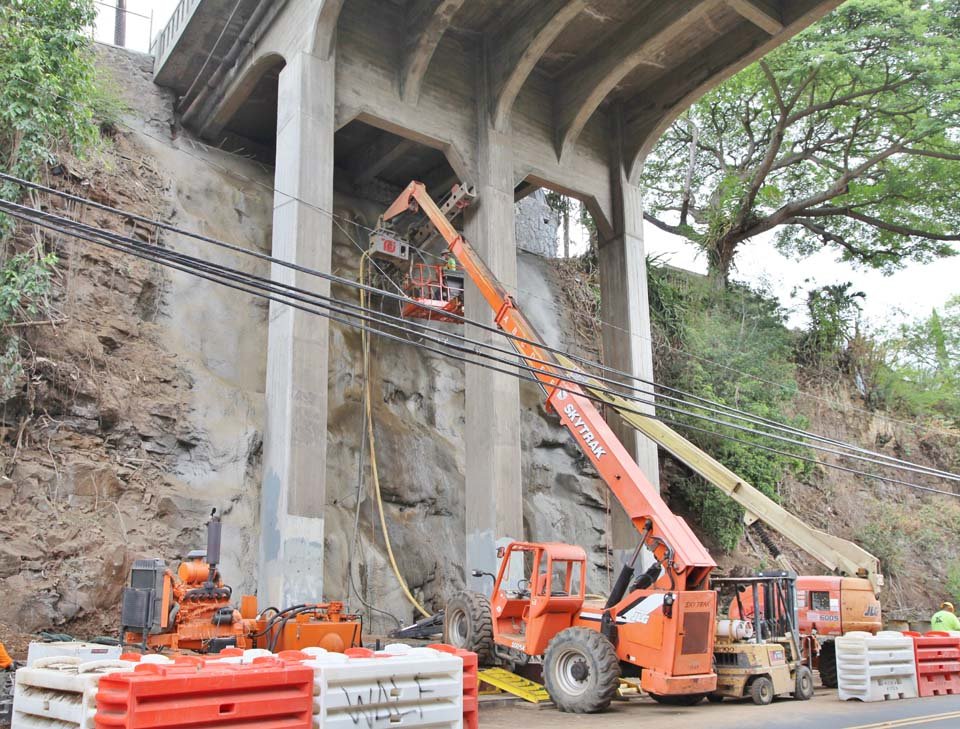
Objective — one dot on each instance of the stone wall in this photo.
(537, 226)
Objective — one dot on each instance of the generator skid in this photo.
(660, 625)
(192, 610)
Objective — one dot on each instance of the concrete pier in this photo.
(505, 95)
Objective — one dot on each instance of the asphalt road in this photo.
(824, 711)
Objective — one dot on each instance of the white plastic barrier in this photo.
(876, 667)
(60, 692)
(84, 651)
(401, 687)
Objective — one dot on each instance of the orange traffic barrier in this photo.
(471, 684)
(938, 663)
(268, 693)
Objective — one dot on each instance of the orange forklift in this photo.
(659, 626)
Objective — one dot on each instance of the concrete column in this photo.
(625, 309)
(494, 492)
(295, 443)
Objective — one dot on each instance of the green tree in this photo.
(47, 91)
(46, 83)
(844, 137)
(730, 347)
(922, 373)
(834, 312)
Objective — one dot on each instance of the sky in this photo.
(910, 293)
(139, 33)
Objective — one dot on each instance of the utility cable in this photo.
(575, 375)
(396, 338)
(834, 405)
(213, 49)
(356, 524)
(371, 440)
(450, 355)
(736, 414)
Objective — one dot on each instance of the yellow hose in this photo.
(365, 345)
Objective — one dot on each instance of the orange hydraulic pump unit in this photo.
(192, 610)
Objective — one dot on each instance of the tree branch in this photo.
(932, 153)
(899, 229)
(673, 229)
(843, 100)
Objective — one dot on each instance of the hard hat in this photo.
(946, 606)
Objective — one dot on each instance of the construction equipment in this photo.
(192, 610)
(8, 670)
(829, 606)
(758, 652)
(661, 626)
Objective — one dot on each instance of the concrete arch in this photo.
(533, 181)
(455, 157)
(325, 28)
(516, 55)
(590, 79)
(658, 106)
(426, 24)
(239, 91)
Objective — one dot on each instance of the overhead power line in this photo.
(700, 403)
(333, 309)
(835, 405)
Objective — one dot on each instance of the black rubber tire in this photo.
(804, 684)
(761, 691)
(715, 698)
(680, 699)
(581, 671)
(828, 665)
(468, 624)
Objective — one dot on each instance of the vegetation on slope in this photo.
(48, 97)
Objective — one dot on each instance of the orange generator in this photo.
(192, 610)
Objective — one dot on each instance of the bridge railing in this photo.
(167, 38)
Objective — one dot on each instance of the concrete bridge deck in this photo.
(508, 95)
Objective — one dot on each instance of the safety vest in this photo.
(944, 620)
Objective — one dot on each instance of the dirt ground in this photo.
(825, 711)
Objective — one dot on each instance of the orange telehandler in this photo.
(662, 625)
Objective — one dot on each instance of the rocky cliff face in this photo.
(418, 406)
(143, 410)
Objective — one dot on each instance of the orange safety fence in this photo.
(269, 693)
(938, 662)
(471, 683)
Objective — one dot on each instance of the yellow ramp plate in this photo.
(513, 684)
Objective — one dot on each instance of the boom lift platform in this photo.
(661, 626)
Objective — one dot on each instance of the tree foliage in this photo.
(847, 136)
(922, 372)
(47, 88)
(46, 81)
(730, 347)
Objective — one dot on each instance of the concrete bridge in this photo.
(508, 95)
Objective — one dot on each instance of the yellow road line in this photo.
(913, 721)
